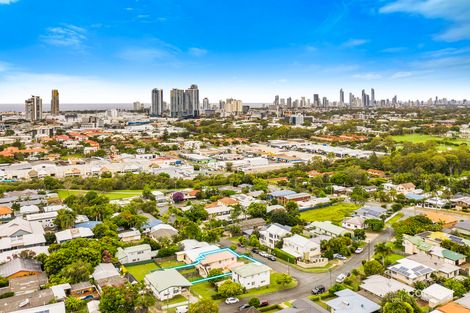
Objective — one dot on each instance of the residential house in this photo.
(463, 227)
(272, 234)
(348, 301)
(280, 194)
(106, 275)
(222, 260)
(29, 209)
(440, 267)
(451, 307)
(5, 213)
(405, 188)
(130, 235)
(354, 222)
(162, 231)
(46, 219)
(19, 268)
(135, 254)
(166, 284)
(369, 212)
(84, 291)
(416, 244)
(73, 233)
(303, 249)
(192, 255)
(58, 307)
(19, 234)
(326, 228)
(409, 271)
(376, 173)
(379, 286)
(461, 202)
(252, 275)
(447, 221)
(151, 222)
(447, 256)
(437, 295)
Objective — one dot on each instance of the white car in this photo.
(359, 250)
(182, 309)
(341, 277)
(263, 254)
(231, 300)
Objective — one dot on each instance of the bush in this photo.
(269, 308)
(284, 256)
(254, 302)
(7, 295)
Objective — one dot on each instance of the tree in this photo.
(147, 193)
(457, 286)
(178, 197)
(74, 304)
(204, 306)
(126, 298)
(374, 224)
(360, 234)
(257, 210)
(359, 195)
(65, 219)
(230, 289)
(75, 272)
(254, 302)
(399, 302)
(373, 267)
(284, 279)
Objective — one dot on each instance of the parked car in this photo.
(339, 256)
(232, 300)
(244, 306)
(341, 277)
(182, 309)
(359, 250)
(263, 254)
(254, 250)
(263, 303)
(318, 289)
(271, 257)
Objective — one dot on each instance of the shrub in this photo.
(284, 256)
(7, 295)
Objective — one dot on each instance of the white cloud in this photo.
(455, 11)
(7, 1)
(351, 43)
(368, 76)
(311, 49)
(399, 75)
(65, 36)
(144, 55)
(394, 49)
(197, 52)
(283, 80)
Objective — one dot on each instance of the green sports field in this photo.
(112, 195)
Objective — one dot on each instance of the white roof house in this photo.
(380, 286)
(73, 233)
(326, 228)
(301, 247)
(190, 256)
(105, 270)
(409, 271)
(349, 301)
(437, 295)
(20, 234)
(273, 233)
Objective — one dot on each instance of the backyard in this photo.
(335, 213)
(140, 270)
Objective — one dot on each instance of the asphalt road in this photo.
(306, 281)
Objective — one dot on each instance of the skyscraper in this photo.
(177, 102)
(341, 96)
(372, 96)
(33, 108)
(191, 101)
(276, 100)
(316, 100)
(289, 102)
(205, 104)
(157, 102)
(55, 102)
(233, 106)
(364, 98)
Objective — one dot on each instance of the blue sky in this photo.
(117, 50)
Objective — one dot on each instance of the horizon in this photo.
(117, 53)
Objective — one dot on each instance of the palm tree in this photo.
(383, 249)
(65, 219)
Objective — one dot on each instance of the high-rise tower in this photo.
(33, 108)
(55, 102)
(157, 102)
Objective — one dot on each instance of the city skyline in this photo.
(250, 51)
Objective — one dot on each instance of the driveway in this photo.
(306, 281)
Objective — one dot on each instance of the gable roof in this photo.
(350, 302)
(162, 280)
(250, 269)
(18, 265)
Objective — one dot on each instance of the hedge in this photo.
(269, 307)
(284, 256)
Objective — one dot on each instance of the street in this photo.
(306, 281)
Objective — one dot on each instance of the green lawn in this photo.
(175, 300)
(204, 290)
(395, 219)
(419, 138)
(170, 263)
(112, 195)
(139, 271)
(335, 213)
(392, 258)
